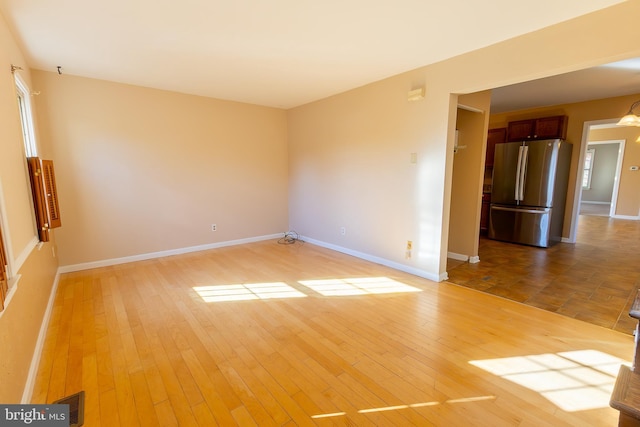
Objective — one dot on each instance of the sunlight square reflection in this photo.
(417, 405)
(573, 380)
(357, 286)
(578, 399)
(251, 291)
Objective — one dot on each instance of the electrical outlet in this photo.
(407, 253)
(214, 227)
(343, 231)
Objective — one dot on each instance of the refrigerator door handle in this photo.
(523, 170)
(533, 211)
(518, 173)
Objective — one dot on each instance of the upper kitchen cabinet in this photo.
(494, 136)
(554, 127)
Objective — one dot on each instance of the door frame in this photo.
(577, 195)
(616, 176)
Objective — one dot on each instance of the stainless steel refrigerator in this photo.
(529, 191)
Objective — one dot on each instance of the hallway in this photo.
(594, 280)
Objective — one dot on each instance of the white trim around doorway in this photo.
(577, 195)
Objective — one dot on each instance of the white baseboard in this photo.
(457, 257)
(631, 217)
(152, 255)
(382, 261)
(37, 352)
(589, 202)
(461, 257)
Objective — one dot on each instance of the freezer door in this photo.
(540, 173)
(520, 225)
(505, 173)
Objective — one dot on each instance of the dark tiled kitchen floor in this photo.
(594, 280)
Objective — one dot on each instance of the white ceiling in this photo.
(615, 79)
(279, 53)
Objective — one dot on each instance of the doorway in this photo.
(600, 177)
(595, 132)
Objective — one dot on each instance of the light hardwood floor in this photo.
(150, 345)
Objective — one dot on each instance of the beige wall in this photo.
(142, 170)
(350, 166)
(603, 173)
(628, 202)
(578, 114)
(349, 153)
(20, 322)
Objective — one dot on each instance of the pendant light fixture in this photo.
(631, 119)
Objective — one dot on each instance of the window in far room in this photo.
(588, 168)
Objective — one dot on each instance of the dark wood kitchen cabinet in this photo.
(554, 127)
(494, 136)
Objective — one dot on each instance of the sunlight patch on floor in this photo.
(325, 287)
(408, 406)
(357, 286)
(250, 291)
(572, 380)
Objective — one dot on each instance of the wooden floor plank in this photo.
(90, 382)
(207, 386)
(148, 349)
(143, 404)
(108, 409)
(172, 385)
(165, 414)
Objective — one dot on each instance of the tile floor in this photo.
(594, 280)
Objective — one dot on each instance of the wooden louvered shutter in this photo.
(3, 274)
(51, 194)
(39, 201)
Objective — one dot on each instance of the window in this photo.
(588, 168)
(26, 117)
(41, 176)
